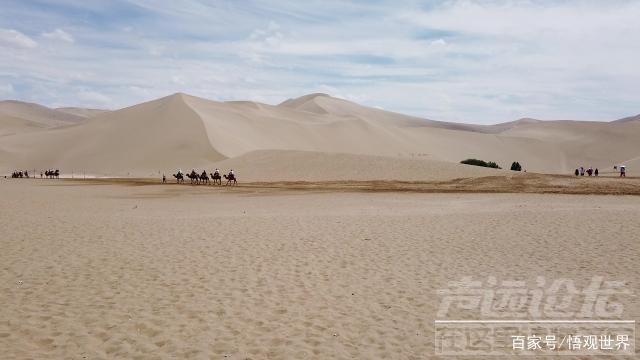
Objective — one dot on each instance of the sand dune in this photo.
(18, 117)
(630, 118)
(182, 131)
(141, 140)
(284, 165)
(10, 125)
(83, 112)
(37, 113)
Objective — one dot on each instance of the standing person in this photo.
(623, 171)
(164, 179)
(596, 172)
(581, 171)
(577, 172)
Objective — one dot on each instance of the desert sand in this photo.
(183, 131)
(118, 270)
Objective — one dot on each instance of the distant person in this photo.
(577, 172)
(40, 174)
(581, 171)
(164, 179)
(623, 171)
(596, 172)
(589, 171)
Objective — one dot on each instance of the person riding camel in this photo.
(231, 173)
(216, 172)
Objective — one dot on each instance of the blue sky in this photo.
(467, 61)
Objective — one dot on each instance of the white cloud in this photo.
(60, 35)
(439, 42)
(93, 97)
(15, 38)
(6, 89)
(178, 79)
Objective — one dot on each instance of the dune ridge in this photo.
(181, 130)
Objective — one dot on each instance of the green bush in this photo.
(515, 166)
(483, 163)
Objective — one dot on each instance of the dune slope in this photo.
(183, 131)
(145, 140)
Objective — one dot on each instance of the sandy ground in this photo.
(97, 270)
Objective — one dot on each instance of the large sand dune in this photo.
(37, 114)
(182, 131)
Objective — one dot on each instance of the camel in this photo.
(231, 178)
(179, 178)
(195, 179)
(204, 178)
(217, 179)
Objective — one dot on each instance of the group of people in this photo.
(590, 171)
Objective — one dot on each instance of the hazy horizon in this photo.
(80, 106)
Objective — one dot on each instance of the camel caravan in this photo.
(20, 174)
(215, 178)
(50, 174)
(204, 178)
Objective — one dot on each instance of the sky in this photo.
(465, 61)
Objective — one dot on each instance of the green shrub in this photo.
(483, 163)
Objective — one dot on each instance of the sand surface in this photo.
(96, 270)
